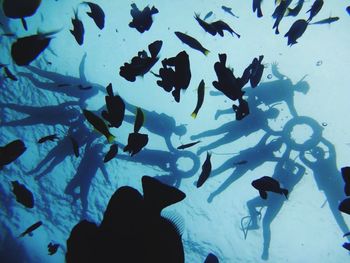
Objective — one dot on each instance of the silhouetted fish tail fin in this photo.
(158, 195)
(206, 52)
(193, 115)
(285, 192)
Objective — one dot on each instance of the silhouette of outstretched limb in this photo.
(225, 128)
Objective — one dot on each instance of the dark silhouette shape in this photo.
(51, 137)
(206, 170)
(288, 173)
(242, 110)
(64, 114)
(98, 124)
(142, 63)
(78, 29)
(91, 161)
(23, 195)
(344, 206)
(30, 229)
(268, 184)
(132, 229)
(11, 151)
(211, 258)
(142, 20)
(52, 248)
(255, 157)
(136, 141)
(257, 7)
(279, 13)
(191, 42)
(112, 152)
(296, 30)
(175, 74)
(96, 14)
(345, 171)
(327, 177)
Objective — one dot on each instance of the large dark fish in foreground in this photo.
(345, 171)
(30, 229)
(142, 20)
(315, 8)
(20, 9)
(200, 99)
(78, 29)
(142, 63)
(297, 30)
(187, 145)
(24, 50)
(11, 151)
(23, 195)
(268, 184)
(99, 125)
(206, 170)
(132, 229)
(115, 108)
(96, 14)
(192, 42)
(344, 206)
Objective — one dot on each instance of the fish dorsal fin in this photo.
(158, 195)
(109, 90)
(176, 220)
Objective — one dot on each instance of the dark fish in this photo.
(11, 151)
(9, 74)
(228, 10)
(23, 195)
(99, 125)
(269, 184)
(344, 206)
(131, 223)
(206, 26)
(345, 171)
(51, 137)
(115, 108)
(279, 13)
(136, 141)
(142, 63)
(315, 8)
(256, 71)
(211, 258)
(206, 170)
(20, 9)
(222, 26)
(75, 146)
(96, 14)
(142, 20)
(200, 99)
(30, 229)
(296, 10)
(297, 30)
(113, 150)
(346, 246)
(139, 120)
(346, 234)
(209, 14)
(348, 10)
(26, 49)
(185, 146)
(326, 21)
(78, 29)
(257, 7)
(52, 248)
(242, 110)
(190, 41)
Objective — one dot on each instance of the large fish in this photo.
(11, 151)
(78, 29)
(99, 125)
(268, 184)
(200, 99)
(206, 170)
(192, 42)
(296, 30)
(97, 14)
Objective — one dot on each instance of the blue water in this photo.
(305, 228)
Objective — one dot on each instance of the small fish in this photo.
(211, 258)
(136, 141)
(9, 74)
(328, 20)
(268, 184)
(23, 195)
(296, 30)
(296, 10)
(11, 151)
(209, 14)
(240, 162)
(192, 42)
(222, 26)
(113, 150)
(81, 87)
(206, 170)
(75, 146)
(96, 14)
(51, 137)
(24, 50)
(345, 171)
(257, 7)
(315, 8)
(139, 120)
(78, 29)
(52, 248)
(206, 26)
(200, 99)
(30, 229)
(228, 10)
(185, 146)
(99, 125)
(142, 20)
(115, 108)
